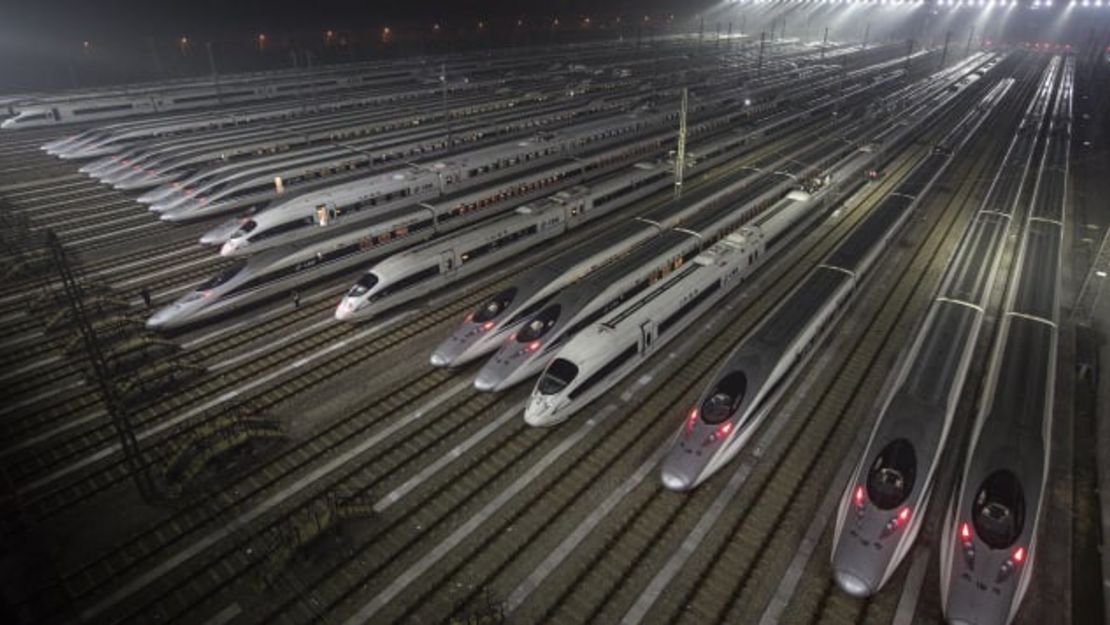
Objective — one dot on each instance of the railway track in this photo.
(115, 567)
(85, 436)
(622, 557)
(427, 453)
(517, 442)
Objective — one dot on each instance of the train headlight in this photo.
(967, 544)
(1007, 568)
(898, 522)
(691, 420)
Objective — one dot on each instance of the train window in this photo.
(364, 284)
(282, 228)
(604, 372)
(495, 305)
(407, 282)
(102, 109)
(222, 277)
(726, 396)
(892, 474)
(322, 215)
(540, 324)
(558, 374)
(999, 509)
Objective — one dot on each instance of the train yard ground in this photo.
(376, 488)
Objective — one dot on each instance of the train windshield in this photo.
(560, 373)
(724, 399)
(364, 284)
(539, 325)
(222, 277)
(246, 228)
(999, 509)
(495, 305)
(892, 474)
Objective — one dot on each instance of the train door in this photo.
(647, 335)
(324, 214)
(447, 260)
(57, 115)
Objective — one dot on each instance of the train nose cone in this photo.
(852, 585)
(345, 311)
(486, 381)
(150, 197)
(539, 413)
(159, 319)
(676, 481)
(439, 360)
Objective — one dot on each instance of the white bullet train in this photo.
(753, 377)
(150, 165)
(486, 328)
(989, 543)
(250, 185)
(898, 469)
(351, 203)
(228, 90)
(427, 268)
(603, 353)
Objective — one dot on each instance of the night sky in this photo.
(42, 40)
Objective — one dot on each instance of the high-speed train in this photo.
(274, 273)
(530, 347)
(485, 329)
(283, 267)
(340, 207)
(115, 138)
(151, 165)
(244, 186)
(605, 352)
(899, 467)
(293, 264)
(743, 390)
(989, 543)
(426, 268)
(493, 161)
(227, 91)
(444, 188)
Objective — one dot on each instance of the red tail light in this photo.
(533, 346)
(691, 419)
(1019, 555)
(965, 532)
(904, 515)
(859, 495)
(724, 430)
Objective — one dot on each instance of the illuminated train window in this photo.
(999, 509)
(495, 305)
(725, 398)
(539, 326)
(892, 474)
